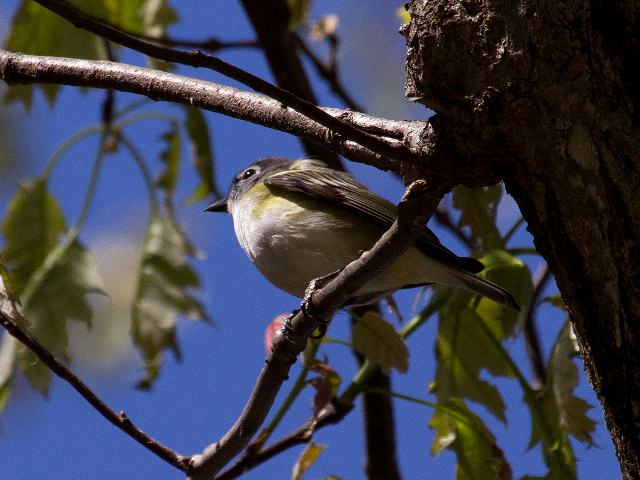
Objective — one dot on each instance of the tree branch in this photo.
(157, 85)
(211, 44)
(396, 151)
(329, 72)
(531, 337)
(418, 203)
(120, 420)
(271, 22)
(330, 415)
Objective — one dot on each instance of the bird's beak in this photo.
(219, 206)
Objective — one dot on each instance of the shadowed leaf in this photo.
(35, 30)
(478, 207)
(326, 385)
(463, 350)
(459, 430)
(201, 153)
(564, 413)
(31, 230)
(52, 280)
(59, 292)
(162, 294)
(298, 10)
(170, 158)
(380, 343)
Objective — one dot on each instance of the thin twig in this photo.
(396, 151)
(531, 337)
(120, 420)
(331, 415)
(157, 85)
(330, 74)
(418, 203)
(211, 44)
(443, 217)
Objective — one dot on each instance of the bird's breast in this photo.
(293, 238)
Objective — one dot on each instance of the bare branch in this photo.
(120, 420)
(396, 151)
(211, 44)
(157, 85)
(418, 203)
(271, 22)
(329, 416)
(330, 74)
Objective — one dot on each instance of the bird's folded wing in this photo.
(339, 187)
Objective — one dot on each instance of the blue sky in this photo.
(194, 401)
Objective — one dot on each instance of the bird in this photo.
(300, 220)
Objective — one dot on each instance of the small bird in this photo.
(300, 220)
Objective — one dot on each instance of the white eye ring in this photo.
(248, 173)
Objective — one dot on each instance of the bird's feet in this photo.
(307, 308)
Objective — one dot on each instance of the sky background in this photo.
(195, 401)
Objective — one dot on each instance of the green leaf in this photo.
(57, 293)
(478, 208)
(35, 30)
(51, 279)
(566, 412)
(170, 158)
(380, 343)
(512, 274)
(463, 351)
(298, 10)
(307, 458)
(31, 229)
(201, 153)
(162, 294)
(459, 430)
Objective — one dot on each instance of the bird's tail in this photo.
(483, 287)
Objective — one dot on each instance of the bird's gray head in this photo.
(247, 178)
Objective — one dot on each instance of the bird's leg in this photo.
(286, 328)
(307, 302)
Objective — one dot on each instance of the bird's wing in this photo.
(320, 182)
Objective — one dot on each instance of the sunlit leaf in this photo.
(380, 343)
(478, 207)
(298, 10)
(512, 274)
(403, 15)
(162, 294)
(478, 455)
(555, 300)
(201, 153)
(306, 459)
(170, 157)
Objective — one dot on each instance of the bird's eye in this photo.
(248, 173)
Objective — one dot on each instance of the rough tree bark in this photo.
(545, 96)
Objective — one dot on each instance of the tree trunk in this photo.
(545, 96)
